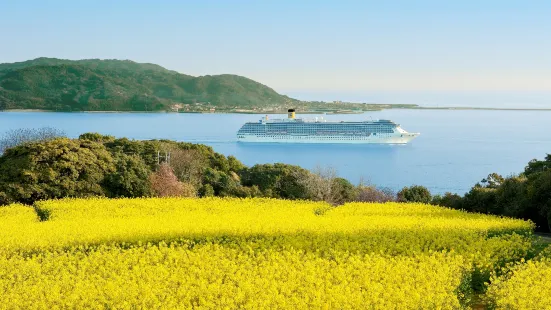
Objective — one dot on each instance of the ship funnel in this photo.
(291, 113)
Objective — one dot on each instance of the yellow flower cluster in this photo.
(247, 253)
(390, 228)
(16, 215)
(215, 277)
(526, 286)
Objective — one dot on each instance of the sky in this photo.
(302, 47)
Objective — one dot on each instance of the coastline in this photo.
(52, 111)
(480, 108)
(283, 112)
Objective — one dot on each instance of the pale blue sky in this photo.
(301, 46)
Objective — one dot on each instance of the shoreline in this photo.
(478, 108)
(283, 112)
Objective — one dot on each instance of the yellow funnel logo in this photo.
(291, 113)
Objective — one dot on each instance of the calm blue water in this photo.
(456, 149)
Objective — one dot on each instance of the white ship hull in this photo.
(377, 139)
(293, 130)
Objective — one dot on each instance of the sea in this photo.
(456, 148)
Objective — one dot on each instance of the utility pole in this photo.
(161, 158)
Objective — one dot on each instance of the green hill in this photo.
(123, 85)
(93, 63)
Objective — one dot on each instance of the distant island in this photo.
(50, 84)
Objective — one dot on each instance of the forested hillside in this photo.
(123, 85)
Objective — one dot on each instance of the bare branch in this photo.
(15, 137)
(187, 165)
(165, 184)
(373, 194)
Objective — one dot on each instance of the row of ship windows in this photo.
(318, 127)
(259, 129)
(320, 124)
(308, 137)
(314, 132)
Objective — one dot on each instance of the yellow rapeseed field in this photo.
(222, 253)
(215, 277)
(526, 286)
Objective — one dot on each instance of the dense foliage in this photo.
(249, 253)
(277, 180)
(526, 196)
(115, 85)
(414, 193)
(54, 169)
(102, 165)
(130, 178)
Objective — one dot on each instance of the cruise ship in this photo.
(319, 130)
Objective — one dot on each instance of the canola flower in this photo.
(215, 277)
(16, 215)
(248, 253)
(526, 286)
(391, 228)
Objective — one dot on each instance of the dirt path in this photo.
(546, 237)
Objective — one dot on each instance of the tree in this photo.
(222, 184)
(290, 184)
(165, 184)
(277, 180)
(220, 162)
(449, 200)
(15, 137)
(526, 196)
(131, 178)
(147, 150)
(536, 166)
(247, 192)
(206, 191)
(97, 137)
(265, 176)
(484, 196)
(188, 165)
(511, 198)
(374, 194)
(538, 192)
(493, 180)
(539, 196)
(235, 165)
(54, 169)
(321, 185)
(342, 191)
(414, 193)
(481, 199)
